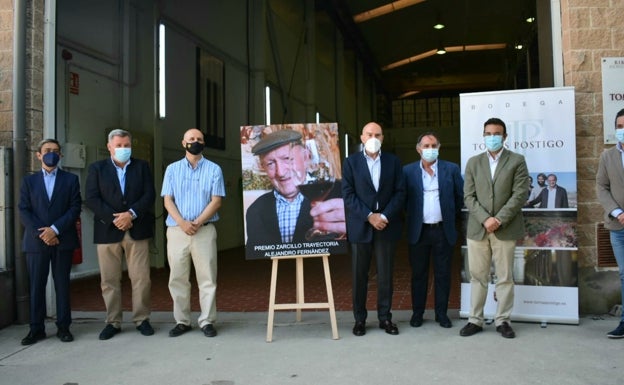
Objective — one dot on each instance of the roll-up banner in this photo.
(541, 126)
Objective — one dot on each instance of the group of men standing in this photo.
(120, 192)
(376, 191)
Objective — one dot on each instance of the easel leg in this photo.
(269, 336)
(330, 298)
(299, 284)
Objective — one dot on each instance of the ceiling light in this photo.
(458, 48)
(408, 93)
(530, 19)
(439, 26)
(518, 46)
(441, 50)
(384, 9)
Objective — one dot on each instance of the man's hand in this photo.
(491, 224)
(190, 227)
(123, 221)
(377, 221)
(329, 216)
(48, 236)
(620, 218)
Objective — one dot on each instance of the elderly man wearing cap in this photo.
(284, 214)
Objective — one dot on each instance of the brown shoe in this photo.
(470, 329)
(505, 330)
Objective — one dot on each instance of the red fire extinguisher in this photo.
(77, 255)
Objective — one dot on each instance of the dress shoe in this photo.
(209, 330)
(444, 321)
(179, 329)
(145, 328)
(389, 327)
(505, 330)
(470, 329)
(359, 329)
(64, 335)
(109, 332)
(32, 338)
(416, 321)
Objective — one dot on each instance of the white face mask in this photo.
(619, 134)
(372, 145)
(429, 154)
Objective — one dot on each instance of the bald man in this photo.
(192, 190)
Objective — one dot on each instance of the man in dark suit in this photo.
(435, 196)
(374, 191)
(49, 207)
(494, 193)
(552, 196)
(120, 192)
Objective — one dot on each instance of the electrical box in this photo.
(74, 155)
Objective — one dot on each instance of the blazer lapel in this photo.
(504, 157)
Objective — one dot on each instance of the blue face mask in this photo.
(430, 154)
(619, 134)
(122, 154)
(51, 159)
(494, 142)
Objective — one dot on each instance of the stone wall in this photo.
(6, 72)
(591, 30)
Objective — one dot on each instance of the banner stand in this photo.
(301, 304)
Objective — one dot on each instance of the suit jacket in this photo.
(62, 210)
(610, 185)
(561, 198)
(502, 196)
(104, 197)
(360, 197)
(262, 224)
(451, 190)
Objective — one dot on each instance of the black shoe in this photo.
(179, 329)
(359, 329)
(470, 329)
(505, 330)
(64, 335)
(209, 330)
(389, 327)
(145, 328)
(444, 321)
(618, 332)
(416, 321)
(109, 332)
(32, 338)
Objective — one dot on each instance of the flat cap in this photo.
(275, 140)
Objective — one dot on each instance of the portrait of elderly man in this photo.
(285, 214)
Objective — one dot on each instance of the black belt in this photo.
(439, 224)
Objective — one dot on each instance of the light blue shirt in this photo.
(287, 214)
(121, 174)
(191, 188)
(49, 179)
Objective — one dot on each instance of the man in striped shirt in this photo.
(192, 190)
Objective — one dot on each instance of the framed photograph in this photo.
(210, 96)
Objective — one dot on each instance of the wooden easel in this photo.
(301, 304)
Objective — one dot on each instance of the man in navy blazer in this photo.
(373, 191)
(120, 192)
(434, 197)
(49, 207)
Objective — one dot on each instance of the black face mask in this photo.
(195, 148)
